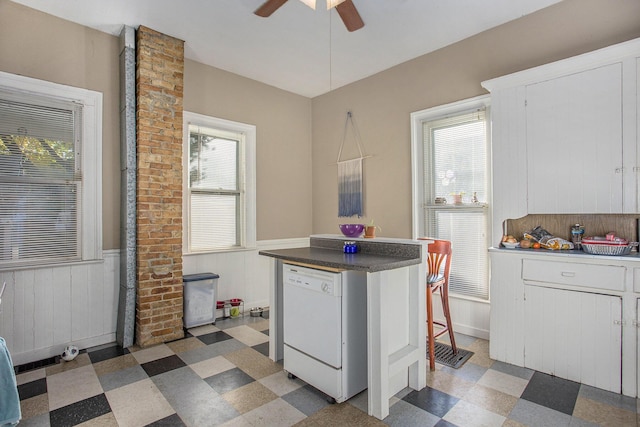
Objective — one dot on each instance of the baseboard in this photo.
(471, 331)
(56, 350)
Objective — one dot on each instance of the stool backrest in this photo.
(439, 253)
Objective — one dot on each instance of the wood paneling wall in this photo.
(45, 309)
(624, 225)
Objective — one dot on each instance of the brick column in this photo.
(159, 87)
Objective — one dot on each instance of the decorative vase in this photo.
(457, 199)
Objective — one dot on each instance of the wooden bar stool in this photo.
(438, 266)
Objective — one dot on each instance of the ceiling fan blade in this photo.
(350, 15)
(269, 7)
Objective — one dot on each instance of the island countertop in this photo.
(372, 256)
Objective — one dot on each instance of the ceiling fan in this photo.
(346, 9)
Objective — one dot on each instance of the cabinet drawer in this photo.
(607, 277)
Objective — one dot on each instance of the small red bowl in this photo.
(235, 301)
(219, 304)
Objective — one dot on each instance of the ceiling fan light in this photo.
(333, 3)
(310, 3)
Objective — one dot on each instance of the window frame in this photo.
(246, 176)
(90, 211)
(419, 203)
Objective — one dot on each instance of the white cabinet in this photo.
(565, 136)
(570, 331)
(574, 335)
(574, 316)
(574, 142)
(575, 274)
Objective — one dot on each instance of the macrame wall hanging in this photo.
(350, 188)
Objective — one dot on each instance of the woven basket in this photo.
(601, 249)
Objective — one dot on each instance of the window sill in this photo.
(457, 206)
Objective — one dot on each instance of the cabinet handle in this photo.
(568, 274)
(620, 322)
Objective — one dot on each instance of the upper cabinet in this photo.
(565, 138)
(574, 142)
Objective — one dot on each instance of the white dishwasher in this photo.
(325, 329)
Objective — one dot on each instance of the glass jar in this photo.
(577, 231)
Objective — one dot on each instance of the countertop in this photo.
(374, 255)
(633, 256)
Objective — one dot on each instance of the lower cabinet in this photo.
(573, 316)
(574, 335)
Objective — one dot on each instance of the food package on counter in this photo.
(547, 240)
(555, 243)
(536, 234)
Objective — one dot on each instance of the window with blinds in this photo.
(215, 188)
(456, 194)
(40, 206)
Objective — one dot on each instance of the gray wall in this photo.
(299, 138)
(381, 104)
(42, 46)
(38, 45)
(283, 144)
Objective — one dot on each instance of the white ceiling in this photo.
(298, 49)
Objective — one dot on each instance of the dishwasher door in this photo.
(312, 312)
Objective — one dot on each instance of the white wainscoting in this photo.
(469, 317)
(243, 274)
(45, 309)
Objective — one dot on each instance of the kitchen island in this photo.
(396, 313)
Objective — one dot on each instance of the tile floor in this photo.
(220, 375)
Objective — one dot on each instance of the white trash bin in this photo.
(199, 294)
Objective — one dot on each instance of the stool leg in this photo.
(444, 294)
(432, 349)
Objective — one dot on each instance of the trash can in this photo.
(199, 295)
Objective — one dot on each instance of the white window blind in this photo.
(455, 159)
(215, 188)
(41, 177)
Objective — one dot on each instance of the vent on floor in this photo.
(445, 356)
(36, 365)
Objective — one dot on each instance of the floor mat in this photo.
(445, 356)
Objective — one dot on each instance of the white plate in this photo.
(511, 245)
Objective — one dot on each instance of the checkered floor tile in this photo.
(221, 375)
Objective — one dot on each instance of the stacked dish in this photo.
(607, 246)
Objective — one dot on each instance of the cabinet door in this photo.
(507, 311)
(574, 142)
(574, 335)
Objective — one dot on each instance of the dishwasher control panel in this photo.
(325, 282)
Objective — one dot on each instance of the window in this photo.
(454, 188)
(50, 198)
(220, 184)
